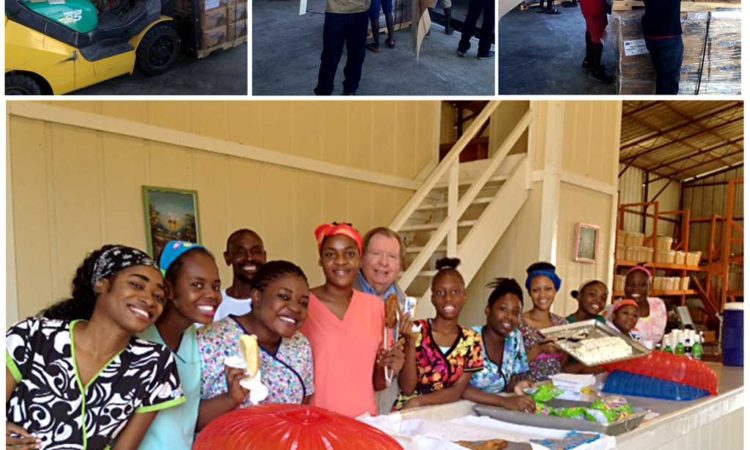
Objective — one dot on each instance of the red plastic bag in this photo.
(669, 367)
(290, 427)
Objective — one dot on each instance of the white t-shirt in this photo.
(234, 306)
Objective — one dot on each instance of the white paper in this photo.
(211, 4)
(635, 47)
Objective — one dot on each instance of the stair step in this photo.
(440, 248)
(434, 226)
(467, 182)
(444, 205)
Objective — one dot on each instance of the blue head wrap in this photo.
(172, 251)
(544, 273)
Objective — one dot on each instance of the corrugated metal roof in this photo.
(681, 139)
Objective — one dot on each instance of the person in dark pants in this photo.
(487, 9)
(375, 24)
(345, 22)
(595, 14)
(663, 35)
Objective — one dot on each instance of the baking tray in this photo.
(534, 420)
(591, 329)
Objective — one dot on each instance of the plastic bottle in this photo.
(698, 348)
(679, 349)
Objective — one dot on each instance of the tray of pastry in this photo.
(562, 423)
(594, 343)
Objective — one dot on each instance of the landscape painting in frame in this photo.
(587, 240)
(171, 214)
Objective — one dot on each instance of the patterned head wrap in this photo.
(544, 273)
(118, 258)
(172, 251)
(333, 229)
(625, 302)
(640, 269)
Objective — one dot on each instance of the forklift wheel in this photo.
(20, 84)
(158, 49)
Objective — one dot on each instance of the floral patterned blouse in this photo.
(439, 370)
(546, 364)
(288, 374)
(493, 379)
(650, 330)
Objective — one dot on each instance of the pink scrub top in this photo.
(344, 353)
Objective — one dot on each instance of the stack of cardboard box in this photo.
(223, 23)
(711, 62)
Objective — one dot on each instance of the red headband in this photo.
(641, 269)
(333, 229)
(622, 303)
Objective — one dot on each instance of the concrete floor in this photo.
(287, 46)
(542, 54)
(223, 72)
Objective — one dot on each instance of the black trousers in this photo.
(477, 7)
(339, 29)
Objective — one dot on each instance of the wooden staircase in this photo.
(462, 209)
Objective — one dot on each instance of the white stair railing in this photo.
(455, 207)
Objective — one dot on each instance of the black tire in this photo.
(21, 84)
(158, 49)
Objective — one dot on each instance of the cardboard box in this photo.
(711, 61)
(236, 10)
(213, 37)
(236, 30)
(214, 18)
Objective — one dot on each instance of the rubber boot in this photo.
(390, 42)
(550, 8)
(374, 46)
(448, 24)
(597, 69)
(541, 6)
(586, 61)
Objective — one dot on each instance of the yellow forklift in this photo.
(59, 46)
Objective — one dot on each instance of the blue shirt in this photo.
(493, 379)
(361, 284)
(175, 428)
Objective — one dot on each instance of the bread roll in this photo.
(391, 311)
(249, 351)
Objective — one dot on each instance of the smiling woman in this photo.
(280, 297)
(346, 322)
(89, 341)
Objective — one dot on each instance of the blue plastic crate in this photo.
(625, 383)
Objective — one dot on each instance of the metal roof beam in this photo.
(684, 169)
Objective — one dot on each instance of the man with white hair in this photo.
(382, 261)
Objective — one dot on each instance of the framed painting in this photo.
(587, 242)
(170, 214)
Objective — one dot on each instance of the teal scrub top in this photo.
(174, 428)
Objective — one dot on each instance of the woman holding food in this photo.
(505, 363)
(441, 355)
(545, 359)
(345, 329)
(280, 297)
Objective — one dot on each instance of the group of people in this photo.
(662, 33)
(345, 24)
(136, 357)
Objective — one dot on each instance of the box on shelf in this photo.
(679, 257)
(664, 243)
(684, 283)
(619, 283)
(693, 258)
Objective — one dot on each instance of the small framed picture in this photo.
(170, 214)
(587, 242)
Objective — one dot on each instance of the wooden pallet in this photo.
(629, 5)
(203, 52)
